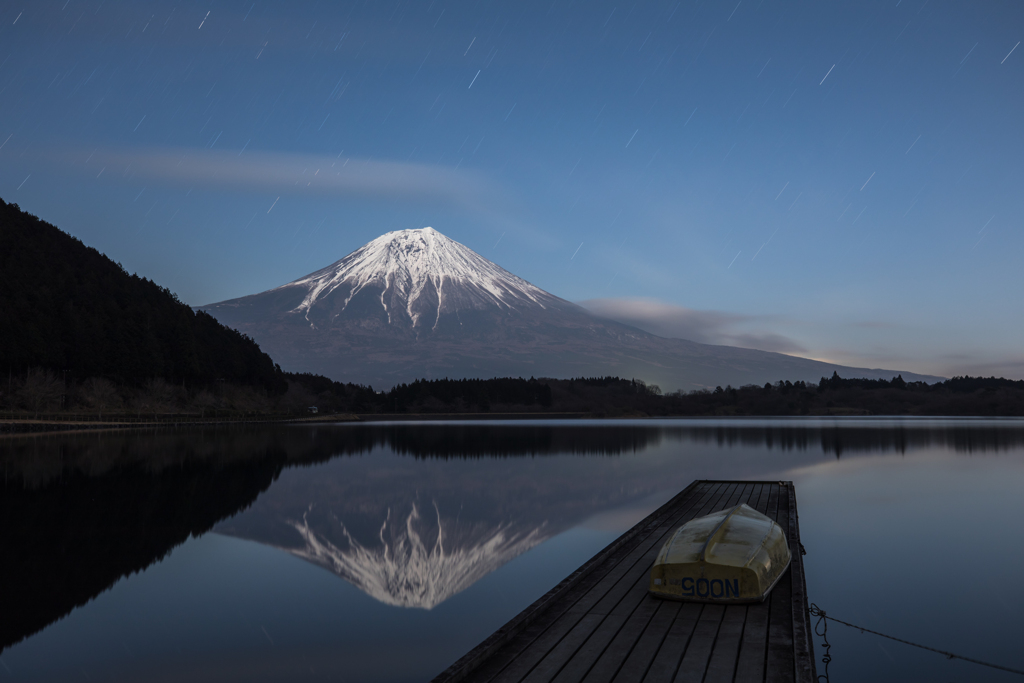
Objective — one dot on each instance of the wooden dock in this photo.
(599, 624)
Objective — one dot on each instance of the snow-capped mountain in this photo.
(420, 561)
(414, 531)
(416, 304)
(418, 276)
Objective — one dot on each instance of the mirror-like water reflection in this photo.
(330, 544)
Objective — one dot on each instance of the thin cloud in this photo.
(942, 365)
(706, 327)
(298, 173)
(1011, 368)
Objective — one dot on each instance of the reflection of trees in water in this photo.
(34, 461)
(469, 441)
(848, 439)
(41, 460)
(82, 510)
(79, 511)
(65, 543)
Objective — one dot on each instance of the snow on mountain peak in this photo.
(407, 571)
(421, 275)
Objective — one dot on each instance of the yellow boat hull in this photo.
(731, 556)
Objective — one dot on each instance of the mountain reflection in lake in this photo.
(441, 532)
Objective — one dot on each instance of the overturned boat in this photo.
(735, 555)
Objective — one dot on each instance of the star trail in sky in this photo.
(841, 181)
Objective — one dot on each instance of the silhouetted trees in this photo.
(837, 396)
(68, 310)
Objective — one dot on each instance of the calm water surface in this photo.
(384, 552)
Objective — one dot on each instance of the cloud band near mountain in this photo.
(706, 327)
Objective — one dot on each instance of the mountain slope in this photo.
(421, 275)
(65, 306)
(414, 303)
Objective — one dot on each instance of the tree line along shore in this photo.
(41, 394)
(81, 337)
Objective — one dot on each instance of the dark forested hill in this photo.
(66, 306)
(616, 397)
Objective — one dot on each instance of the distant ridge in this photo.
(417, 304)
(66, 306)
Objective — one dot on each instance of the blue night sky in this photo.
(842, 181)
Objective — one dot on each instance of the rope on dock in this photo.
(823, 634)
(826, 658)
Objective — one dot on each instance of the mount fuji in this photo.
(416, 304)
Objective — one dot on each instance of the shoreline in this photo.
(33, 426)
(13, 427)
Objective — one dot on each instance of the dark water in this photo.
(385, 552)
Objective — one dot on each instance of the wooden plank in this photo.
(772, 510)
(753, 495)
(690, 624)
(762, 490)
(727, 647)
(720, 658)
(601, 625)
(762, 501)
(739, 495)
(515, 647)
(597, 646)
(609, 591)
(708, 637)
(490, 657)
(695, 660)
(639, 579)
(636, 594)
(648, 645)
(526, 651)
(750, 665)
(666, 661)
(621, 565)
(753, 644)
(803, 653)
(650, 640)
(637, 600)
(533, 650)
(557, 652)
(621, 647)
(698, 652)
(557, 657)
(780, 665)
(586, 657)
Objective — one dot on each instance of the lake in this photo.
(385, 551)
